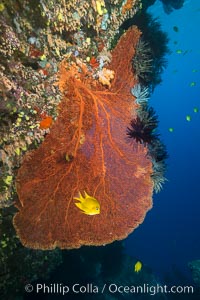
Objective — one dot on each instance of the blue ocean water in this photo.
(169, 237)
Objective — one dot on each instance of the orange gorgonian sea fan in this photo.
(87, 150)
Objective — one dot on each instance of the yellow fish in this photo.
(188, 118)
(138, 266)
(89, 205)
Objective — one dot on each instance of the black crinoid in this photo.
(143, 128)
(156, 46)
(158, 153)
(149, 60)
(142, 62)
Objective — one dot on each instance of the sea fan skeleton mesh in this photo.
(91, 132)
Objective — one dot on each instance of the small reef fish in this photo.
(193, 83)
(175, 28)
(171, 129)
(138, 266)
(179, 51)
(196, 110)
(88, 204)
(188, 118)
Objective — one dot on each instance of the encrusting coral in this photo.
(86, 150)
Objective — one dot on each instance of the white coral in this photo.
(105, 76)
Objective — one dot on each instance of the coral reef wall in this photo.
(20, 265)
(34, 37)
